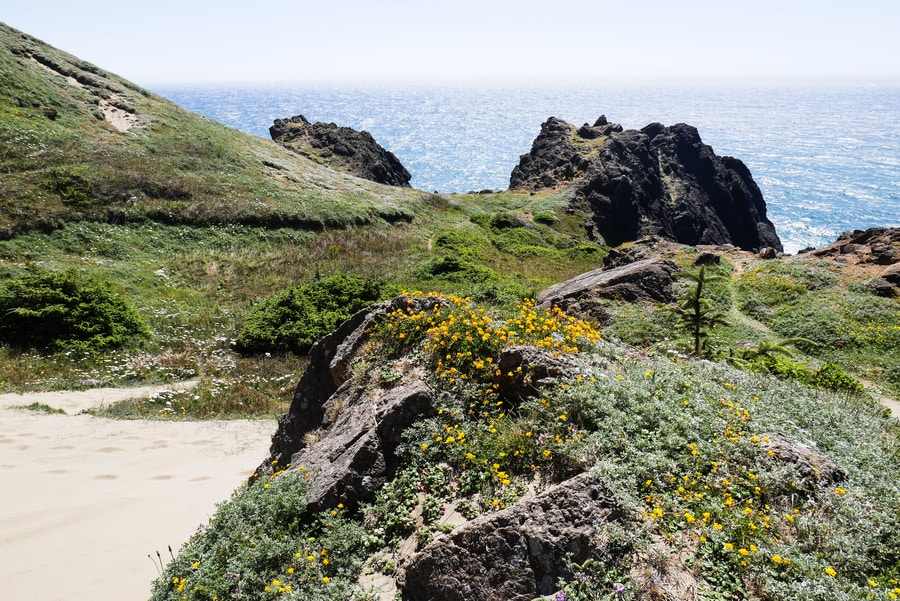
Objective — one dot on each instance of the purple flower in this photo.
(619, 589)
(582, 577)
(400, 449)
(561, 596)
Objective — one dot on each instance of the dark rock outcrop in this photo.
(648, 279)
(660, 181)
(518, 553)
(878, 245)
(356, 152)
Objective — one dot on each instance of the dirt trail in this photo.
(85, 499)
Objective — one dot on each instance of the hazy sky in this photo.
(166, 41)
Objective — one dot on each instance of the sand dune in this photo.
(84, 500)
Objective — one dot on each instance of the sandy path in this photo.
(84, 500)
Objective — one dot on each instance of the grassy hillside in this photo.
(79, 144)
(193, 224)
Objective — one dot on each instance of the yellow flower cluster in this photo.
(464, 341)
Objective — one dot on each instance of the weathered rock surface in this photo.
(648, 279)
(524, 369)
(329, 369)
(518, 553)
(657, 181)
(892, 274)
(879, 245)
(356, 152)
(814, 468)
(352, 455)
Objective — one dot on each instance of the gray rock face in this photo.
(350, 457)
(649, 279)
(354, 151)
(515, 554)
(814, 468)
(660, 181)
(523, 369)
(329, 369)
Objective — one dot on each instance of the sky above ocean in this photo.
(199, 41)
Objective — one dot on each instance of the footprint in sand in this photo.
(163, 477)
(57, 472)
(109, 450)
(106, 477)
(63, 447)
(200, 479)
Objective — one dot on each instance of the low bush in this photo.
(456, 269)
(291, 320)
(64, 310)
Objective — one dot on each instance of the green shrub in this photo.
(291, 320)
(456, 269)
(468, 244)
(833, 377)
(545, 217)
(62, 310)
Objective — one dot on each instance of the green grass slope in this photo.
(192, 223)
(79, 143)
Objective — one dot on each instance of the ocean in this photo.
(825, 155)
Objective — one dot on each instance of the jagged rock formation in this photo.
(518, 553)
(874, 246)
(320, 395)
(353, 151)
(660, 181)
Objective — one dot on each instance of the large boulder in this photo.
(352, 455)
(660, 181)
(517, 553)
(648, 279)
(353, 151)
(815, 469)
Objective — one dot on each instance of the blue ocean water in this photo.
(826, 156)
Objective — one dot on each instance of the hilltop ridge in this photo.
(80, 143)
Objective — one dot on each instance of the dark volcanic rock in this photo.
(518, 553)
(354, 151)
(649, 279)
(657, 181)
